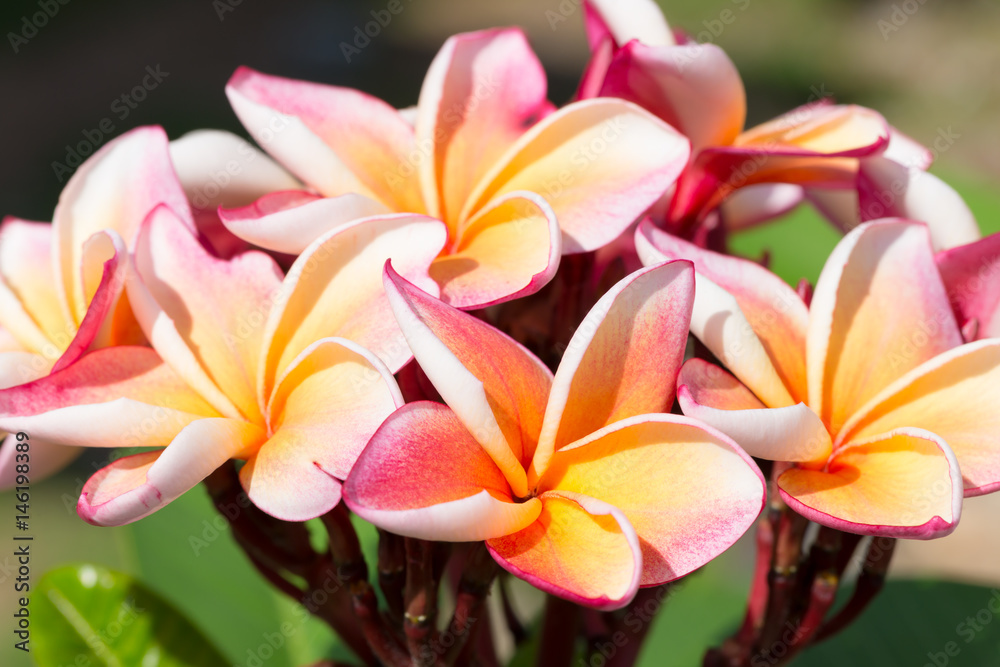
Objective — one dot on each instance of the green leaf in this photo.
(919, 623)
(87, 614)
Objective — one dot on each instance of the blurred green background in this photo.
(930, 70)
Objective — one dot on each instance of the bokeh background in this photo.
(932, 67)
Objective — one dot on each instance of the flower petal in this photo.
(115, 397)
(905, 483)
(218, 168)
(889, 189)
(579, 548)
(623, 359)
(695, 88)
(105, 310)
(971, 274)
(954, 396)
(879, 310)
(814, 145)
(840, 207)
(509, 250)
(753, 205)
(482, 91)
(46, 460)
(289, 221)
(136, 486)
(423, 475)
(599, 163)
(653, 469)
(204, 315)
(29, 298)
(768, 316)
(115, 189)
(790, 433)
(626, 20)
(337, 140)
(496, 387)
(335, 289)
(324, 411)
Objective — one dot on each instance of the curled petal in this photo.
(815, 145)
(115, 189)
(136, 486)
(289, 221)
(653, 469)
(324, 410)
(790, 433)
(105, 310)
(840, 207)
(579, 548)
(954, 396)
(423, 475)
(753, 205)
(889, 189)
(509, 250)
(905, 483)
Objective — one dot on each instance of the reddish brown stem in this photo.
(381, 641)
(420, 595)
(477, 578)
(626, 637)
(276, 579)
(558, 633)
(277, 544)
(783, 578)
(870, 582)
(392, 573)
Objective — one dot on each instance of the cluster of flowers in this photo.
(204, 301)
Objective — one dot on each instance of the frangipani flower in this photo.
(61, 284)
(485, 153)
(578, 483)
(971, 274)
(869, 390)
(845, 159)
(292, 375)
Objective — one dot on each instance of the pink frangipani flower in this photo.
(61, 284)
(578, 482)
(845, 159)
(291, 374)
(887, 417)
(516, 183)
